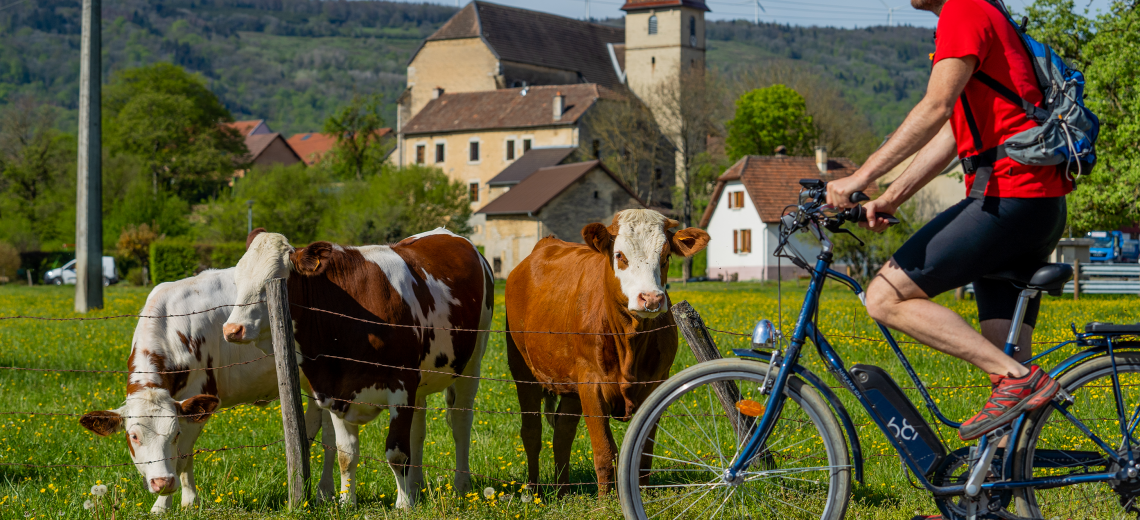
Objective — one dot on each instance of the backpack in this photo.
(1066, 130)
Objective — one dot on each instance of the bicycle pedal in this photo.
(1063, 397)
(996, 435)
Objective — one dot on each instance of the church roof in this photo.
(505, 108)
(537, 38)
(633, 5)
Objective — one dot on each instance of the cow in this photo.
(386, 346)
(609, 291)
(163, 414)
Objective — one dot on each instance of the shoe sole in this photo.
(1033, 402)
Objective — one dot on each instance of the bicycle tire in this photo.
(1030, 502)
(801, 397)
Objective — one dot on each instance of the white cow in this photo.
(160, 442)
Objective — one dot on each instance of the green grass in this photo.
(249, 483)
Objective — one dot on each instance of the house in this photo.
(495, 81)
(528, 163)
(940, 193)
(313, 146)
(552, 201)
(743, 215)
(266, 147)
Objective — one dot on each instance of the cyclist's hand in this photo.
(839, 191)
(881, 206)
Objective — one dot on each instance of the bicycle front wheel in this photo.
(674, 456)
(1049, 445)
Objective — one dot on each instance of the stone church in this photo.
(496, 82)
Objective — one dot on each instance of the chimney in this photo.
(781, 150)
(821, 159)
(436, 92)
(559, 101)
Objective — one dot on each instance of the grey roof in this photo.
(536, 38)
(530, 162)
(543, 186)
(506, 108)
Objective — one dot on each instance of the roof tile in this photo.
(541, 187)
(505, 108)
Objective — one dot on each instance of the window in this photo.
(421, 150)
(439, 152)
(692, 31)
(510, 150)
(736, 200)
(473, 191)
(526, 145)
(741, 241)
(597, 149)
(498, 265)
(473, 151)
(653, 24)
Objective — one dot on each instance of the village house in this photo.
(314, 146)
(743, 215)
(266, 147)
(551, 201)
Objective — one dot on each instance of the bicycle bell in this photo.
(765, 335)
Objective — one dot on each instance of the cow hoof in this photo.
(347, 501)
(158, 510)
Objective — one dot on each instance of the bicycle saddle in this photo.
(1113, 328)
(1048, 278)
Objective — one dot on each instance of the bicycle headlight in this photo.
(765, 335)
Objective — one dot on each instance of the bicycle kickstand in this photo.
(981, 467)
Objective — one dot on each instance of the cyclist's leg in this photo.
(996, 303)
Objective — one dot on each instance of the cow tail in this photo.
(549, 407)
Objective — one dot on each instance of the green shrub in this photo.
(9, 261)
(135, 277)
(700, 265)
(226, 254)
(172, 260)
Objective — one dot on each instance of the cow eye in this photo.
(135, 438)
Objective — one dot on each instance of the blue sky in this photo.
(836, 13)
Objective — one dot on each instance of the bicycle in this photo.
(732, 438)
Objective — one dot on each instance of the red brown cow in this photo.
(406, 293)
(610, 284)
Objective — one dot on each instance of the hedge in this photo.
(172, 260)
(226, 254)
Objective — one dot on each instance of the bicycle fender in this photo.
(832, 399)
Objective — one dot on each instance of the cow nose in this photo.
(233, 331)
(651, 301)
(162, 485)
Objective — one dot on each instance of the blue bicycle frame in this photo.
(806, 328)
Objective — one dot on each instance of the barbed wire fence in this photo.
(296, 440)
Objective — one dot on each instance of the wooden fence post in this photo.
(289, 389)
(1076, 279)
(693, 329)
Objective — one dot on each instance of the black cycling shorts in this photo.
(978, 237)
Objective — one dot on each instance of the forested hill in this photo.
(293, 61)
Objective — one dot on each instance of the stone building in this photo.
(552, 201)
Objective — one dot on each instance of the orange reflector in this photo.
(750, 408)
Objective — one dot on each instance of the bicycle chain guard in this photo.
(955, 469)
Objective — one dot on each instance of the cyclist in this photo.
(1018, 222)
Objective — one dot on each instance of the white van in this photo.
(66, 274)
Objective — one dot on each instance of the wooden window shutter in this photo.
(735, 241)
(747, 240)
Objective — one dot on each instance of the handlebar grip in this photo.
(858, 214)
(858, 197)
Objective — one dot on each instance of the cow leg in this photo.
(326, 488)
(460, 402)
(601, 440)
(565, 428)
(185, 467)
(398, 449)
(415, 477)
(530, 405)
(348, 455)
(647, 457)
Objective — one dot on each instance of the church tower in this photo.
(663, 38)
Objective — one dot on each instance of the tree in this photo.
(1110, 48)
(134, 243)
(769, 117)
(631, 144)
(169, 119)
(36, 176)
(360, 143)
(841, 128)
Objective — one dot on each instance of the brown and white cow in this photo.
(157, 438)
(405, 293)
(611, 284)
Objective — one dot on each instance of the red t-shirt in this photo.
(976, 28)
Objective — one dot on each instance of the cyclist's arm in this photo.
(947, 80)
(929, 162)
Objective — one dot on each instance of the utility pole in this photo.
(249, 217)
(587, 10)
(757, 10)
(89, 188)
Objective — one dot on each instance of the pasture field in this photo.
(248, 483)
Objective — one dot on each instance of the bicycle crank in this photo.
(955, 469)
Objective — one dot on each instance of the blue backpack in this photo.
(1066, 130)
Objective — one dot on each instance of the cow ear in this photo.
(102, 422)
(598, 237)
(670, 223)
(689, 241)
(199, 407)
(312, 259)
(252, 235)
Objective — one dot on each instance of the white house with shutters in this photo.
(742, 218)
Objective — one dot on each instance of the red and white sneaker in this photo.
(1011, 397)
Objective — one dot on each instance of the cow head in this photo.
(638, 244)
(266, 257)
(152, 422)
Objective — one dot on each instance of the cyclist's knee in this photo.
(880, 301)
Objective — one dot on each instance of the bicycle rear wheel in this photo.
(804, 472)
(1059, 448)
